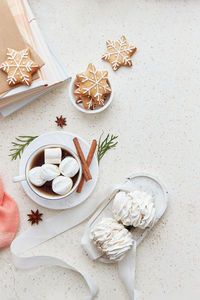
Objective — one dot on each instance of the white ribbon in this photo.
(66, 220)
(126, 267)
(50, 228)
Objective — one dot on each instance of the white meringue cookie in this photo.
(121, 208)
(35, 177)
(111, 238)
(134, 209)
(69, 166)
(52, 155)
(62, 185)
(49, 172)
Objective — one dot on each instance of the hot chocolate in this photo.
(39, 161)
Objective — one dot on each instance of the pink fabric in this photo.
(9, 218)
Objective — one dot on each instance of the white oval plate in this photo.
(63, 138)
(142, 182)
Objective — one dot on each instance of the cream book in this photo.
(11, 37)
(51, 75)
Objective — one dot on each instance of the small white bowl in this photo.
(97, 109)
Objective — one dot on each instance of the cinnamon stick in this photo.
(88, 161)
(86, 171)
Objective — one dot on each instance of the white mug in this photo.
(25, 177)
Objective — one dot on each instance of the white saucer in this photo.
(63, 138)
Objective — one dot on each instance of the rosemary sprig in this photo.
(103, 146)
(18, 147)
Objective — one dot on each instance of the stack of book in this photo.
(19, 30)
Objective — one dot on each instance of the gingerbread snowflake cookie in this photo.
(19, 67)
(119, 53)
(87, 101)
(92, 87)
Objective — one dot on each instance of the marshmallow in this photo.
(62, 185)
(35, 178)
(49, 172)
(52, 155)
(69, 166)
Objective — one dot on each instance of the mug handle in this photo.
(19, 178)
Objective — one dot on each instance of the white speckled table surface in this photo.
(155, 112)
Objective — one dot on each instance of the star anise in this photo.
(35, 217)
(61, 121)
